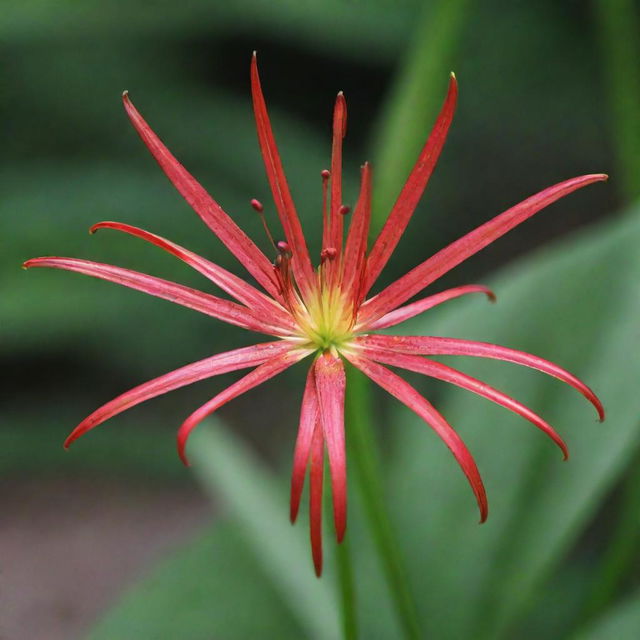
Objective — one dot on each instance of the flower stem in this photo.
(347, 592)
(364, 455)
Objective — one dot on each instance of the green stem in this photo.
(618, 27)
(364, 456)
(347, 592)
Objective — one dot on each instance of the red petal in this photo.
(339, 132)
(330, 385)
(433, 268)
(205, 303)
(447, 374)
(315, 498)
(432, 346)
(404, 392)
(215, 365)
(413, 189)
(301, 262)
(309, 418)
(240, 245)
(420, 306)
(261, 374)
(356, 247)
(227, 281)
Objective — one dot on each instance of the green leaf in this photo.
(228, 470)
(575, 304)
(621, 622)
(213, 588)
(253, 578)
(413, 103)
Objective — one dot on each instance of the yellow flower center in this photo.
(326, 321)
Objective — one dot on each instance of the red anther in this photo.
(283, 248)
(257, 205)
(328, 254)
(326, 174)
(344, 209)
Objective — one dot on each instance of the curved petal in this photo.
(264, 372)
(446, 259)
(309, 418)
(227, 281)
(412, 191)
(301, 263)
(213, 366)
(404, 392)
(420, 306)
(330, 387)
(441, 371)
(179, 294)
(356, 246)
(240, 245)
(435, 346)
(316, 475)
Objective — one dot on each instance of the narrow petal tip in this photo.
(71, 438)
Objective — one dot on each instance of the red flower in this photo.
(325, 311)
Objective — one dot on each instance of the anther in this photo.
(328, 254)
(326, 174)
(344, 209)
(257, 205)
(284, 249)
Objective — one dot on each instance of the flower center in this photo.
(328, 320)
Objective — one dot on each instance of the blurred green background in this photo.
(548, 90)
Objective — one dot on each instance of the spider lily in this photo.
(325, 311)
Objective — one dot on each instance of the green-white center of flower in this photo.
(326, 321)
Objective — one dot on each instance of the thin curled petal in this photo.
(316, 475)
(420, 306)
(442, 372)
(446, 259)
(301, 263)
(309, 418)
(227, 281)
(179, 294)
(209, 367)
(356, 246)
(330, 387)
(413, 189)
(404, 392)
(212, 214)
(264, 372)
(435, 346)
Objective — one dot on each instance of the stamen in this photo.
(344, 209)
(328, 254)
(284, 249)
(257, 205)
